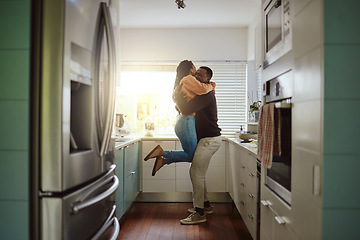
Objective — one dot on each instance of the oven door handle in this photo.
(78, 206)
(113, 222)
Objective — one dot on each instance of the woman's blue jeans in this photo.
(186, 132)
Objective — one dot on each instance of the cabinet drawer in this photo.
(147, 146)
(251, 205)
(154, 185)
(250, 222)
(251, 180)
(183, 181)
(279, 209)
(183, 185)
(166, 172)
(250, 160)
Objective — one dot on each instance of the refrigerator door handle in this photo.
(111, 215)
(78, 206)
(114, 221)
(106, 134)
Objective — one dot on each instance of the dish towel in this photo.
(269, 140)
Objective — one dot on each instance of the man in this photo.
(209, 141)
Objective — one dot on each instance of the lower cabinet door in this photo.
(119, 171)
(131, 188)
(266, 223)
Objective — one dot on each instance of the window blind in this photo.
(230, 78)
(230, 92)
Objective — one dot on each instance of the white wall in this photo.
(164, 44)
(252, 35)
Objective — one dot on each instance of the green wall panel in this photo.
(14, 74)
(15, 125)
(14, 175)
(340, 224)
(342, 20)
(340, 177)
(15, 24)
(14, 220)
(341, 127)
(341, 71)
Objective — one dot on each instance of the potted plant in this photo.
(254, 111)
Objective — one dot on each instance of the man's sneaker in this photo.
(207, 210)
(193, 218)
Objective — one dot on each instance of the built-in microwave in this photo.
(277, 30)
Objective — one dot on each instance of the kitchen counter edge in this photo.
(250, 147)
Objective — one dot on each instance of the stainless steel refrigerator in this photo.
(73, 76)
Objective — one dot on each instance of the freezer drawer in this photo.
(81, 214)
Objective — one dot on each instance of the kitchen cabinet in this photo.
(243, 184)
(131, 174)
(276, 216)
(119, 171)
(215, 176)
(127, 170)
(175, 177)
(164, 180)
(182, 176)
(274, 226)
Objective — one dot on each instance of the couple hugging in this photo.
(198, 131)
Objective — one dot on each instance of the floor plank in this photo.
(157, 221)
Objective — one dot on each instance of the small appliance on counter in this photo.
(149, 125)
(122, 127)
(245, 136)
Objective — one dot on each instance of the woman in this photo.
(187, 87)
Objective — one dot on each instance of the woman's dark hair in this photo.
(182, 70)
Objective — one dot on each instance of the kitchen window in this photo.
(145, 90)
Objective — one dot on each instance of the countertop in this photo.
(121, 142)
(251, 147)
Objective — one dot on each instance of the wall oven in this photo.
(278, 177)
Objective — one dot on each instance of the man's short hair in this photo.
(208, 70)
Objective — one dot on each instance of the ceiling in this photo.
(197, 13)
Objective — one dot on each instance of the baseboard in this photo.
(215, 197)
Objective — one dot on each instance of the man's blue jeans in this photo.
(186, 132)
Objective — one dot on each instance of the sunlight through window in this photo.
(147, 94)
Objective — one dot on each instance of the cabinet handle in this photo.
(242, 202)
(133, 172)
(251, 216)
(242, 166)
(251, 174)
(280, 220)
(265, 203)
(242, 184)
(251, 195)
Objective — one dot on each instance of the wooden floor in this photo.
(152, 221)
